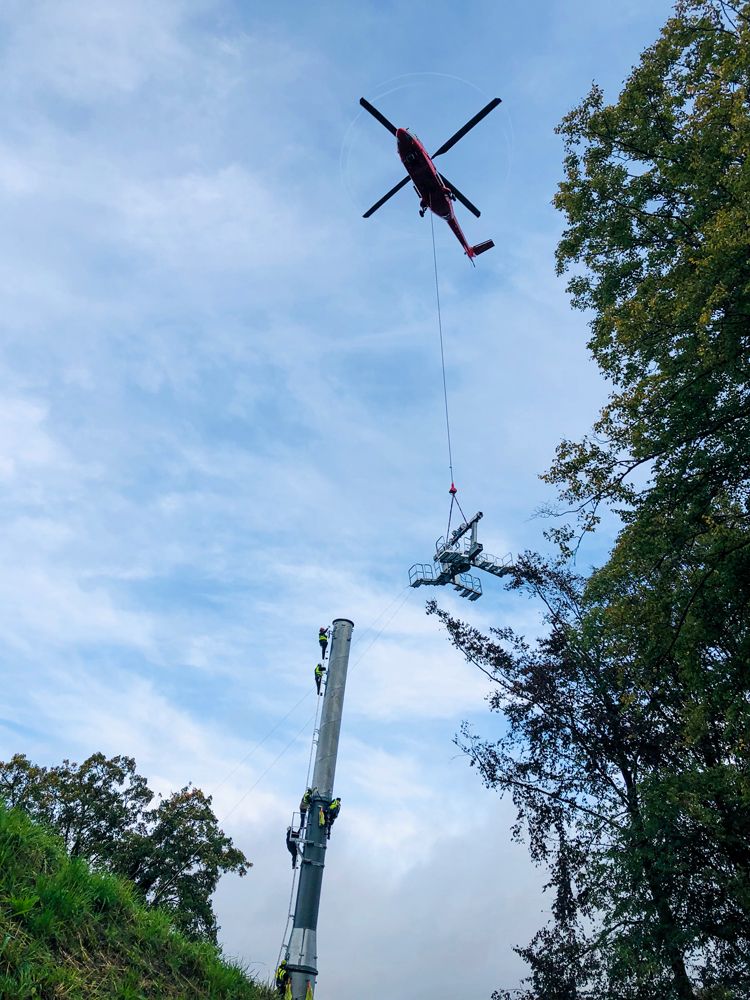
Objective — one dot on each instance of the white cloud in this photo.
(24, 439)
(229, 220)
(40, 608)
(406, 680)
(91, 52)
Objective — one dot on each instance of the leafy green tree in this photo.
(657, 200)
(90, 805)
(178, 858)
(174, 852)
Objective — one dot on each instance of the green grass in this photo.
(67, 933)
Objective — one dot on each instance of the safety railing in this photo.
(468, 586)
(421, 573)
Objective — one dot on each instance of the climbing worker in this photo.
(282, 977)
(319, 671)
(323, 640)
(304, 805)
(331, 813)
(292, 845)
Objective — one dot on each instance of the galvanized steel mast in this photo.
(302, 951)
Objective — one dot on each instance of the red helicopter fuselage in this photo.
(435, 191)
(433, 194)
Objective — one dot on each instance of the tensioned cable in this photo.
(404, 595)
(313, 741)
(442, 351)
(454, 499)
(450, 515)
(222, 819)
(273, 763)
(259, 744)
(461, 509)
(371, 627)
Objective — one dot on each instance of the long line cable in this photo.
(381, 630)
(442, 350)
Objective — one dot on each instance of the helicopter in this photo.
(435, 191)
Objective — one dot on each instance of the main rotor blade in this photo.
(461, 197)
(467, 127)
(385, 197)
(376, 114)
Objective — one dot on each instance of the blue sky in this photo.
(221, 425)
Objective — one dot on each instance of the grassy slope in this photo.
(68, 933)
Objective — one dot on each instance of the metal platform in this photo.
(468, 586)
(422, 574)
(453, 559)
(491, 564)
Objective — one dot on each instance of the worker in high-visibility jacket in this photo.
(323, 640)
(331, 813)
(283, 979)
(304, 805)
(319, 671)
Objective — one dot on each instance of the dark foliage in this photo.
(627, 762)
